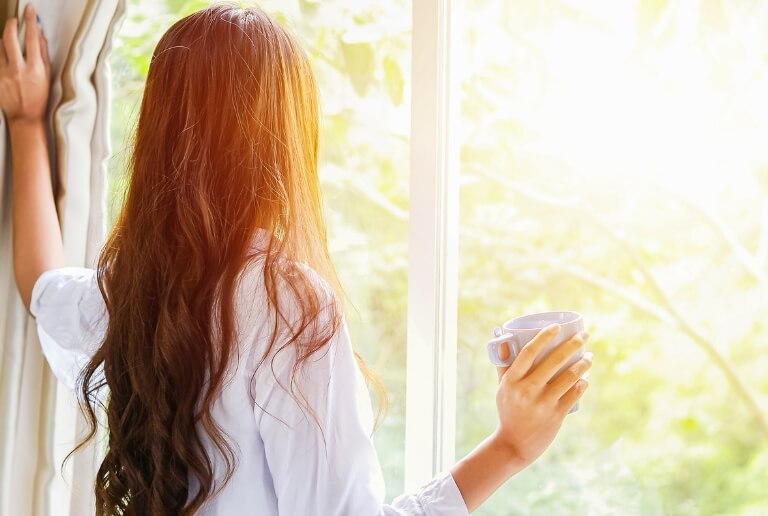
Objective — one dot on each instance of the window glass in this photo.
(614, 162)
(360, 52)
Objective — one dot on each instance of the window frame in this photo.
(430, 408)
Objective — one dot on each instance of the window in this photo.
(613, 162)
(602, 156)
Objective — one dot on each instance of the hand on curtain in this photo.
(24, 89)
(24, 80)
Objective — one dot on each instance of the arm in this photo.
(24, 88)
(484, 470)
(532, 403)
(37, 245)
(341, 474)
(329, 465)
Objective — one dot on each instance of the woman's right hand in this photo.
(531, 401)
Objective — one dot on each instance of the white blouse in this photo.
(286, 466)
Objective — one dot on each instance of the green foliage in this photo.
(359, 63)
(393, 78)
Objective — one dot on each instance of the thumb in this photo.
(504, 355)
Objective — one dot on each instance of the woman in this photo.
(213, 314)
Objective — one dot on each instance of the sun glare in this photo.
(673, 108)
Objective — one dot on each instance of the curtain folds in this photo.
(39, 420)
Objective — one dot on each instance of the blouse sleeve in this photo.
(71, 320)
(327, 464)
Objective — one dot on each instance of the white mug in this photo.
(519, 331)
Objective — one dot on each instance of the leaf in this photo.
(309, 7)
(359, 63)
(393, 80)
(182, 8)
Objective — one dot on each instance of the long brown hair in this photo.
(226, 143)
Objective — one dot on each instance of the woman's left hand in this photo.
(25, 81)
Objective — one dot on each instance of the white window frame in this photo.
(430, 410)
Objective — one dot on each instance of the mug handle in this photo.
(513, 342)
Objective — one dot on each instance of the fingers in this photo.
(11, 41)
(44, 49)
(32, 36)
(568, 378)
(572, 396)
(504, 352)
(530, 351)
(556, 359)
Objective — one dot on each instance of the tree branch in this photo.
(380, 200)
(666, 312)
(749, 261)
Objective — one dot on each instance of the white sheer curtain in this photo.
(39, 420)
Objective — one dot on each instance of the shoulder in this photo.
(71, 319)
(64, 289)
(290, 288)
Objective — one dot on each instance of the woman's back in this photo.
(304, 453)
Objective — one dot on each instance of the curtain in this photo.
(39, 419)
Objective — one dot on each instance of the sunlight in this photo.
(610, 113)
(657, 113)
(614, 160)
